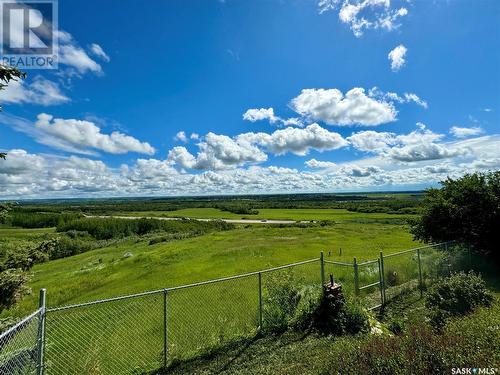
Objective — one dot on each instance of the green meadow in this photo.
(198, 318)
(298, 214)
(132, 265)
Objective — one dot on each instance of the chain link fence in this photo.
(144, 332)
(19, 346)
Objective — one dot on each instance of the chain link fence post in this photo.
(380, 283)
(165, 337)
(322, 265)
(420, 278)
(260, 301)
(41, 333)
(356, 277)
(382, 274)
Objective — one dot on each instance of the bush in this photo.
(12, 287)
(396, 326)
(66, 246)
(473, 340)
(465, 210)
(40, 219)
(309, 298)
(355, 319)
(392, 277)
(107, 228)
(280, 299)
(456, 295)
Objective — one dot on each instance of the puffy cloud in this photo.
(78, 136)
(254, 115)
(181, 136)
(357, 171)
(40, 91)
(372, 141)
(424, 151)
(363, 15)
(219, 152)
(99, 52)
(416, 146)
(30, 175)
(317, 164)
(74, 56)
(397, 57)
(295, 140)
(460, 132)
(333, 108)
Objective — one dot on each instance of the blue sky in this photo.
(215, 97)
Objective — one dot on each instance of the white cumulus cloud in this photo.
(318, 164)
(218, 152)
(397, 57)
(40, 91)
(254, 115)
(181, 136)
(334, 108)
(363, 15)
(461, 132)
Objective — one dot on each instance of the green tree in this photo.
(467, 210)
(7, 74)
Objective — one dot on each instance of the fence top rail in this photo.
(338, 263)
(418, 248)
(368, 262)
(19, 324)
(166, 290)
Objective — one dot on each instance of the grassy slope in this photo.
(308, 354)
(106, 272)
(270, 213)
(7, 233)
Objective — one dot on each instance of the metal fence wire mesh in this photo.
(148, 331)
(369, 283)
(401, 273)
(208, 315)
(113, 337)
(281, 291)
(342, 273)
(19, 347)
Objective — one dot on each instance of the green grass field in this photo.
(109, 272)
(198, 318)
(271, 214)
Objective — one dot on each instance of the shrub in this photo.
(396, 326)
(355, 318)
(329, 315)
(66, 246)
(471, 340)
(12, 287)
(40, 219)
(107, 228)
(391, 277)
(281, 298)
(456, 295)
(309, 298)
